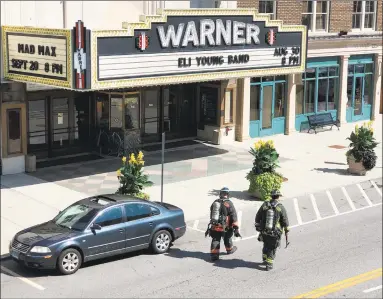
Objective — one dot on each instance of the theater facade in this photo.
(219, 75)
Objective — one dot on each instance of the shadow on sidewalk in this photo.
(108, 165)
(332, 170)
(334, 163)
(222, 263)
(240, 195)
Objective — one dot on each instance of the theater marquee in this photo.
(37, 55)
(196, 45)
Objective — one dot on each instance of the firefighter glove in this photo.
(237, 234)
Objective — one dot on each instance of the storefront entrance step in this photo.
(67, 160)
(169, 145)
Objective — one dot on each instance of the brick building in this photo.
(344, 36)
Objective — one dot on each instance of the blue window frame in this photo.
(319, 90)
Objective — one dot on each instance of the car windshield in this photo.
(75, 217)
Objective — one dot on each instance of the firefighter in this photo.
(223, 224)
(271, 220)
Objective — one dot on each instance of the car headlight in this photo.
(40, 249)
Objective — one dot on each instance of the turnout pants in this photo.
(216, 237)
(270, 245)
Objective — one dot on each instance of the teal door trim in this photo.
(268, 131)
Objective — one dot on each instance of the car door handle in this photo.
(151, 223)
(121, 230)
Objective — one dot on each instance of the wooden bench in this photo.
(321, 120)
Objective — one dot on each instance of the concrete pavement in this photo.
(321, 253)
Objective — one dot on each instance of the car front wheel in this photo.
(161, 241)
(69, 261)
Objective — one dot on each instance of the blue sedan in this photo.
(98, 227)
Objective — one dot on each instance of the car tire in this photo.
(69, 261)
(161, 241)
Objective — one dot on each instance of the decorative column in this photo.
(377, 86)
(342, 103)
(291, 99)
(243, 109)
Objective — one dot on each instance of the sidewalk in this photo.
(27, 201)
(309, 164)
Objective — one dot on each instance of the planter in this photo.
(263, 184)
(355, 167)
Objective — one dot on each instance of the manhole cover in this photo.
(337, 146)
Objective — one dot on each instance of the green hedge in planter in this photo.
(264, 183)
(362, 145)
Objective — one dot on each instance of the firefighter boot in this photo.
(264, 257)
(234, 249)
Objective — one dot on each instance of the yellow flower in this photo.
(124, 159)
(140, 156)
(369, 124)
(118, 172)
(356, 128)
(132, 159)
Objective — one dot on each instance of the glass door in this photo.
(358, 96)
(267, 109)
(60, 125)
(151, 117)
(38, 128)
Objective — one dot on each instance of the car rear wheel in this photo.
(69, 261)
(161, 241)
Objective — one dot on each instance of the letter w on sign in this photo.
(271, 37)
(142, 42)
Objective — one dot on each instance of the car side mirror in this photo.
(95, 226)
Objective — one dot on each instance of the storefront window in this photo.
(209, 101)
(309, 96)
(368, 89)
(319, 90)
(116, 112)
(102, 111)
(14, 131)
(331, 94)
(255, 94)
(279, 105)
(36, 123)
(132, 112)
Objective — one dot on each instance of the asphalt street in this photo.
(334, 252)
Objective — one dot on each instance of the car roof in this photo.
(106, 200)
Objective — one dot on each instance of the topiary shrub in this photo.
(264, 183)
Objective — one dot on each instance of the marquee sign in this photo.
(37, 55)
(196, 45)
